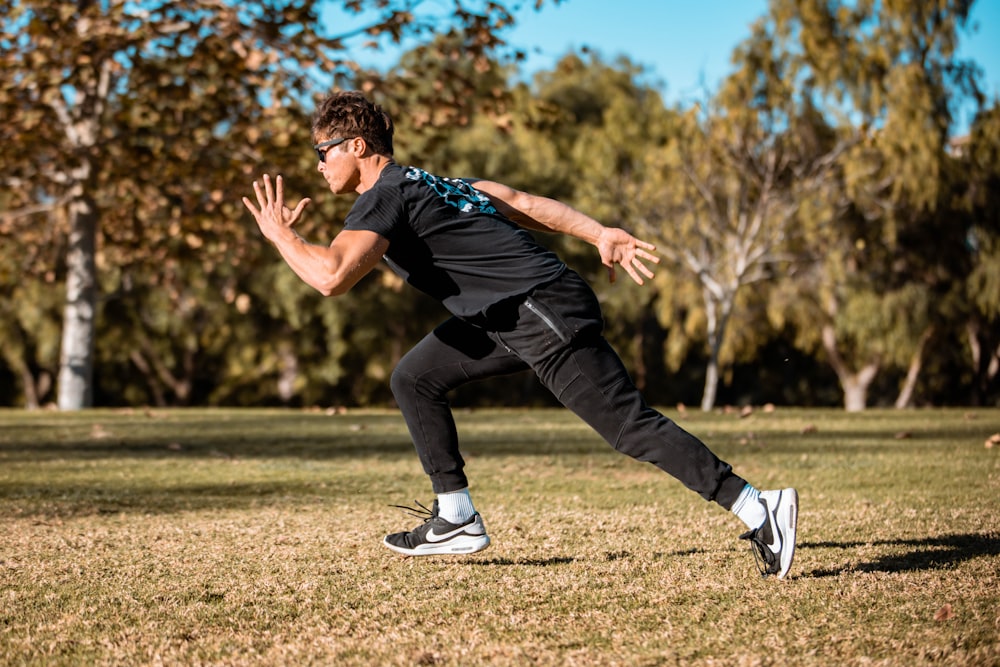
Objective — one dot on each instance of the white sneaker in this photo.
(773, 543)
(437, 536)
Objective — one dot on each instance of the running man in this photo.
(515, 306)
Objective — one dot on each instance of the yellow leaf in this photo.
(944, 613)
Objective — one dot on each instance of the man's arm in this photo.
(615, 245)
(333, 269)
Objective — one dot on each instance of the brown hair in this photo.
(350, 114)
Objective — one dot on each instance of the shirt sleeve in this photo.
(379, 210)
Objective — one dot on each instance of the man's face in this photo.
(338, 163)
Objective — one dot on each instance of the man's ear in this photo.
(359, 147)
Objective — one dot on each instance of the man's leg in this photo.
(452, 355)
(589, 379)
(558, 332)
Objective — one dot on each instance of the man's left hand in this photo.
(619, 247)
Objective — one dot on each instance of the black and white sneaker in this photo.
(436, 536)
(773, 544)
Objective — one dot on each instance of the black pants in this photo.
(556, 332)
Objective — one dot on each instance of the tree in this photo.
(728, 216)
(886, 73)
(982, 284)
(138, 117)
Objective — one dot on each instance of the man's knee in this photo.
(402, 383)
(409, 381)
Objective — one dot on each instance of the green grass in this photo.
(211, 537)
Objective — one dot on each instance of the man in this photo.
(516, 306)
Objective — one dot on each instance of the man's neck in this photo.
(371, 168)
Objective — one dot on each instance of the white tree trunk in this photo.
(855, 394)
(854, 384)
(288, 373)
(718, 312)
(712, 368)
(711, 385)
(905, 397)
(76, 362)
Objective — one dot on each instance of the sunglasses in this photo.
(321, 149)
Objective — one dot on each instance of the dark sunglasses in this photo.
(322, 148)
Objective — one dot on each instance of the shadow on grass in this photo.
(931, 553)
(243, 434)
(527, 562)
(257, 436)
(67, 500)
(250, 436)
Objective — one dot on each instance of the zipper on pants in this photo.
(530, 305)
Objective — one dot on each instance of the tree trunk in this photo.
(717, 314)
(31, 394)
(155, 388)
(288, 371)
(712, 367)
(15, 353)
(855, 394)
(985, 349)
(160, 377)
(76, 363)
(854, 384)
(711, 384)
(993, 368)
(905, 397)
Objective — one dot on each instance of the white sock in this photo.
(456, 506)
(749, 508)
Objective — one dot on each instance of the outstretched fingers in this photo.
(280, 189)
(254, 211)
(634, 268)
(269, 190)
(266, 194)
(634, 261)
(641, 266)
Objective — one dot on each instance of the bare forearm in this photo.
(616, 246)
(332, 269)
(310, 262)
(555, 216)
(541, 213)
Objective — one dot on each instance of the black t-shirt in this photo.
(447, 240)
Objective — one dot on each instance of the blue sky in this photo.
(687, 43)
(684, 43)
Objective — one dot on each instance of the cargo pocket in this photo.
(551, 321)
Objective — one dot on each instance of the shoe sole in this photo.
(463, 545)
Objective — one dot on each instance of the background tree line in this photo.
(827, 238)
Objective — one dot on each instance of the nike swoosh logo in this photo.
(775, 545)
(441, 537)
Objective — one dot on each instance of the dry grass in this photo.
(253, 538)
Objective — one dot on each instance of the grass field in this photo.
(245, 537)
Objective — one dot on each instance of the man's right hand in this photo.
(273, 217)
